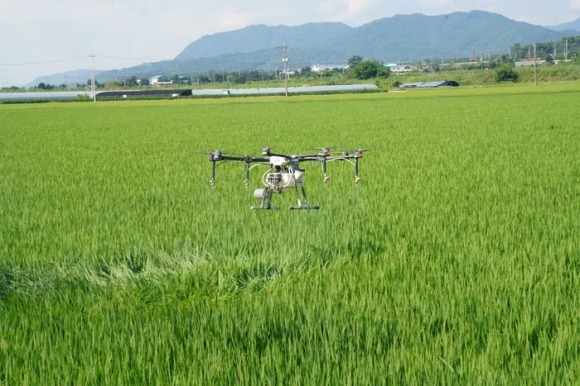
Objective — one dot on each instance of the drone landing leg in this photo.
(302, 203)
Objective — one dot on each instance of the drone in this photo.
(284, 173)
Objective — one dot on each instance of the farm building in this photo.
(145, 94)
(401, 69)
(156, 81)
(439, 83)
(169, 93)
(291, 90)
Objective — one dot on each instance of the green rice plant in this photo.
(455, 260)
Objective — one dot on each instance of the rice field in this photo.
(455, 260)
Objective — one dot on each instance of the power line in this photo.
(44, 62)
(93, 87)
(79, 58)
(286, 62)
(129, 58)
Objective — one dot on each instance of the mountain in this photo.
(394, 39)
(70, 78)
(401, 37)
(573, 27)
(261, 37)
(412, 37)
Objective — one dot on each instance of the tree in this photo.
(131, 82)
(144, 81)
(113, 84)
(45, 86)
(306, 71)
(368, 69)
(516, 51)
(506, 73)
(97, 84)
(354, 60)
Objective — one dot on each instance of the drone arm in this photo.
(247, 160)
(351, 158)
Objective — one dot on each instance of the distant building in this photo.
(321, 67)
(529, 63)
(401, 69)
(156, 81)
(143, 94)
(438, 83)
(473, 57)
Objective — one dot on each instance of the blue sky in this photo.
(42, 37)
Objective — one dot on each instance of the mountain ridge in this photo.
(573, 26)
(402, 37)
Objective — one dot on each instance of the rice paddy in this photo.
(455, 260)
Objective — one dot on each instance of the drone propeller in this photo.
(326, 150)
(215, 155)
(358, 153)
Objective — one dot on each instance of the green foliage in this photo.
(506, 73)
(45, 86)
(368, 69)
(132, 82)
(454, 261)
(354, 60)
(566, 47)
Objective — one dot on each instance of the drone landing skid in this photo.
(254, 207)
(314, 207)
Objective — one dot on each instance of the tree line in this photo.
(357, 68)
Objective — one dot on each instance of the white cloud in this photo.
(435, 4)
(49, 30)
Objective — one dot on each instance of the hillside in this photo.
(573, 26)
(412, 37)
(261, 37)
(401, 37)
(394, 39)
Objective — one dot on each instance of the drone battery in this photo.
(259, 193)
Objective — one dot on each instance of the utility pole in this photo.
(93, 77)
(535, 67)
(286, 62)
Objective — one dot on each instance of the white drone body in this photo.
(284, 173)
(282, 176)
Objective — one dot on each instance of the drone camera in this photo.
(266, 151)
